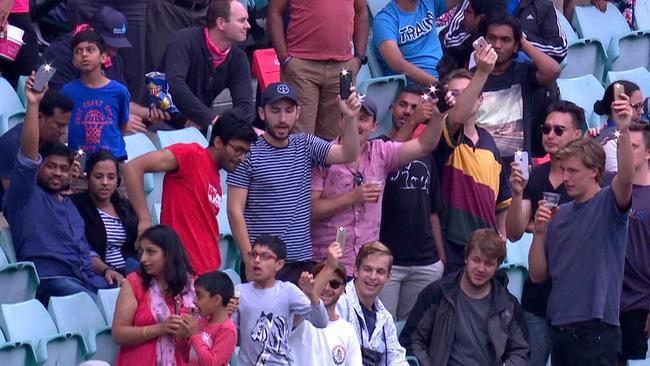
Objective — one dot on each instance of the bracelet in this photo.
(286, 60)
(144, 331)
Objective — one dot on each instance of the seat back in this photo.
(12, 110)
(383, 92)
(590, 22)
(75, 313)
(7, 244)
(640, 76)
(376, 70)
(183, 136)
(583, 91)
(26, 321)
(20, 90)
(642, 14)
(106, 301)
(19, 280)
(139, 144)
(375, 6)
(15, 353)
(629, 51)
(571, 35)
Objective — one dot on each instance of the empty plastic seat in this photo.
(12, 110)
(29, 322)
(383, 92)
(375, 6)
(139, 144)
(183, 136)
(584, 56)
(78, 313)
(15, 353)
(19, 280)
(642, 14)
(155, 214)
(583, 91)
(516, 264)
(20, 90)
(7, 244)
(230, 257)
(640, 76)
(106, 300)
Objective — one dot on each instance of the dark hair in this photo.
(603, 107)
(230, 127)
(459, 74)
(644, 128)
(103, 155)
(274, 243)
(488, 242)
(217, 283)
(339, 271)
(590, 153)
(56, 148)
(412, 89)
(178, 268)
(90, 36)
(55, 99)
(510, 21)
(217, 9)
(488, 7)
(565, 106)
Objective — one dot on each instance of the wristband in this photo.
(286, 60)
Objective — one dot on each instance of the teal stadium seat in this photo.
(15, 353)
(20, 90)
(29, 322)
(19, 280)
(12, 110)
(642, 14)
(516, 264)
(583, 91)
(584, 56)
(375, 6)
(106, 301)
(78, 313)
(234, 276)
(640, 76)
(185, 136)
(7, 244)
(139, 144)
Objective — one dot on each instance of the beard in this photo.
(47, 188)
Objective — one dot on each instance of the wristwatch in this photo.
(362, 58)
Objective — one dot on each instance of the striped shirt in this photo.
(115, 239)
(278, 181)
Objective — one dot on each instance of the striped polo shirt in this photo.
(474, 184)
(115, 239)
(278, 181)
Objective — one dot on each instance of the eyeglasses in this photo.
(334, 284)
(638, 106)
(558, 130)
(358, 179)
(239, 151)
(263, 256)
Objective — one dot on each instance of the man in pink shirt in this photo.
(312, 52)
(350, 195)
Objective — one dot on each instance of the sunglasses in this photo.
(557, 130)
(334, 284)
(358, 179)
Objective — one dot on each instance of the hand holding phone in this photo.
(43, 76)
(341, 236)
(479, 44)
(619, 90)
(345, 83)
(521, 157)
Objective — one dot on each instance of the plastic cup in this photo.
(11, 42)
(552, 199)
(377, 182)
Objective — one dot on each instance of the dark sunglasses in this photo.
(358, 179)
(334, 284)
(557, 130)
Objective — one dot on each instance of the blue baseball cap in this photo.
(110, 24)
(277, 91)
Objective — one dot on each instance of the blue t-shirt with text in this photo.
(97, 116)
(414, 32)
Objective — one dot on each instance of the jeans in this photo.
(404, 286)
(592, 343)
(60, 287)
(540, 337)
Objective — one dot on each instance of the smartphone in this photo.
(479, 44)
(177, 305)
(618, 91)
(345, 83)
(341, 237)
(441, 92)
(43, 76)
(521, 157)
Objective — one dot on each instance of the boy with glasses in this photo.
(267, 306)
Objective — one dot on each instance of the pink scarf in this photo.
(218, 56)
(165, 348)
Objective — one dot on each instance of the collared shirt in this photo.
(363, 220)
(47, 229)
(384, 337)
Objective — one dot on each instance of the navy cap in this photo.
(110, 24)
(277, 91)
(369, 106)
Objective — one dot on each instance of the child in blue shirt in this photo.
(101, 105)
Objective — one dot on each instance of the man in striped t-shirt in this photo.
(269, 193)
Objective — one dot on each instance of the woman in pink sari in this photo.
(153, 300)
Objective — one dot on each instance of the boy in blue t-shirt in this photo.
(101, 105)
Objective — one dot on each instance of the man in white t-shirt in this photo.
(335, 345)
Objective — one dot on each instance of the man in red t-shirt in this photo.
(192, 190)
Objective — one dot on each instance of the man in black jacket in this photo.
(469, 318)
(200, 62)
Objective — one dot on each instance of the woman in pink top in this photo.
(153, 300)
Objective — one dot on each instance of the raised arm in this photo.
(361, 27)
(134, 170)
(348, 150)
(391, 53)
(275, 25)
(548, 70)
(237, 197)
(519, 211)
(622, 183)
(426, 142)
(537, 264)
(29, 137)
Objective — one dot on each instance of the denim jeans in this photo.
(60, 287)
(592, 343)
(540, 336)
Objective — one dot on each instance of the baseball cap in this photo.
(277, 91)
(369, 106)
(110, 24)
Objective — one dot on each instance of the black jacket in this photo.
(95, 230)
(194, 82)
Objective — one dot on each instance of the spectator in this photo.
(53, 115)
(111, 226)
(564, 124)
(360, 305)
(538, 22)
(603, 107)
(473, 178)
(581, 247)
(108, 24)
(101, 105)
(63, 259)
(350, 195)
(192, 189)
(200, 62)
(410, 226)
(312, 51)
(268, 306)
(269, 192)
(153, 300)
(405, 37)
(470, 318)
(508, 112)
(334, 345)
(635, 296)
(16, 13)
(210, 336)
